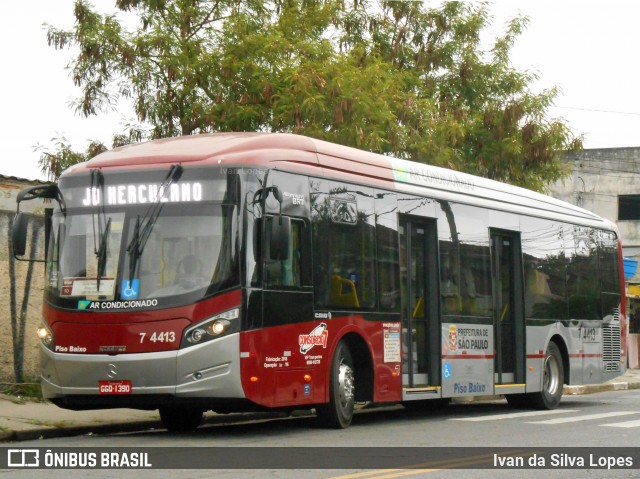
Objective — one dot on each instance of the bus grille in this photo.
(611, 345)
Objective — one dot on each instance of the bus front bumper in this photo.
(210, 370)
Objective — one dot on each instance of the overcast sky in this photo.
(587, 48)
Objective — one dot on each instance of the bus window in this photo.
(465, 266)
(285, 272)
(609, 271)
(344, 245)
(545, 268)
(608, 262)
(582, 273)
(387, 246)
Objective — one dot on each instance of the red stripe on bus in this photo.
(469, 356)
(540, 356)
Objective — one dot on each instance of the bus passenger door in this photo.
(508, 293)
(420, 300)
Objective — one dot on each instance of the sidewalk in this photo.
(22, 420)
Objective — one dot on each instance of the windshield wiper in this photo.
(101, 239)
(133, 248)
(102, 251)
(143, 227)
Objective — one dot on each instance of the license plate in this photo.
(114, 387)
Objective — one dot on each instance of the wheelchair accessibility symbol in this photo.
(446, 370)
(130, 289)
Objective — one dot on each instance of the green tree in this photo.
(54, 160)
(393, 77)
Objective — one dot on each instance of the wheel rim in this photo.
(551, 375)
(345, 386)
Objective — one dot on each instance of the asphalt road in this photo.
(610, 419)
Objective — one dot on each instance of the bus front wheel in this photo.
(180, 418)
(338, 412)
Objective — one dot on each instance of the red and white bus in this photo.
(244, 271)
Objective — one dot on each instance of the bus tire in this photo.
(180, 418)
(552, 379)
(338, 412)
(552, 383)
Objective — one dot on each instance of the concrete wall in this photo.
(9, 188)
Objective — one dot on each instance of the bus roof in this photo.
(334, 161)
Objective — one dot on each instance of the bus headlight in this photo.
(219, 325)
(46, 336)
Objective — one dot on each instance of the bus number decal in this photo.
(159, 337)
(588, 335)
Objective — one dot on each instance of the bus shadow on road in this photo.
(277, 424)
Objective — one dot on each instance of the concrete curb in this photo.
(598, 388)
(81, 429)
(77, 430)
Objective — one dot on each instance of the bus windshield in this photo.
(115, 254)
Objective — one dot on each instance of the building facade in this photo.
(607, 182)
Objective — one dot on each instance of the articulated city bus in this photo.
(249, 271)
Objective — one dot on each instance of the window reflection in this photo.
(543, 248)
(344, 245)
(465, 266)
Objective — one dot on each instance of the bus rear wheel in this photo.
(338, 412)
(552, 383)
(180, 418)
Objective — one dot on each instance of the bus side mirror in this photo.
(279, 238)
(277, 194)
(19, 234)
(257, 238)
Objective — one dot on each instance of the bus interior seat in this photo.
(343, 292)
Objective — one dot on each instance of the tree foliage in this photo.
(394, 77)
(53, 161)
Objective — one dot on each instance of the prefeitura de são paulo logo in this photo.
(317, 337)
(453, 337)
